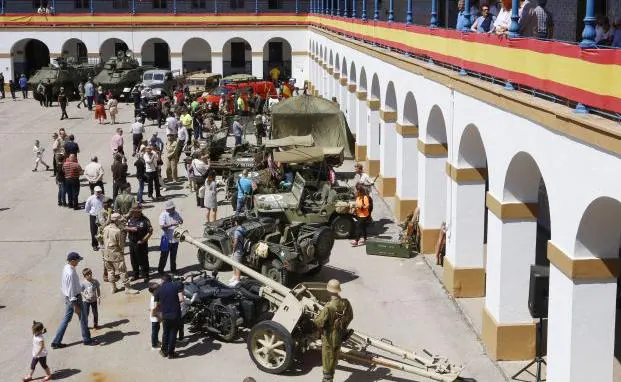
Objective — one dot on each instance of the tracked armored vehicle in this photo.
(119, 74)
(62, 73)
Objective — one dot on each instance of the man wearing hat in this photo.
(71, 290)
(169, 220)
(93, 206)
(332, 322)
(113, 254)
(140, 230)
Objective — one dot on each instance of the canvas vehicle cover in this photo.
(310, 154)
(305, 114)
(291, 141)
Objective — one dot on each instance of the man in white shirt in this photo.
(362, 178)
(93, 206)
(169, 220)
(94, 172)
(172, 125)
(71, 290)
(137, 132)
(182, 136)
(151, 172)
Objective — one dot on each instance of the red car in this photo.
(264, 88)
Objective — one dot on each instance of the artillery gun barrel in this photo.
(183, 235)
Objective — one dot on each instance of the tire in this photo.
(280, 275)
(207, 261)
(224, 320)
(323, 240)
(273, 360)
(343, 226)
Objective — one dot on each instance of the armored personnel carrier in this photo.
(62, 73)
(119, 73)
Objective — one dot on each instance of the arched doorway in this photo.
(28, 56)
(155, 52)
(277, 54)
(196, 55)
(74, 50)
(236, 57)
(111, 47)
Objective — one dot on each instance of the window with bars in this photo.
(120, 4)
(274, 4)
(199, 4)
(81, 4)
(160, 4)
(236, 4)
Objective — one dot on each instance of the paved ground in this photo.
(392, 298)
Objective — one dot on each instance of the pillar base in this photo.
(387, 187)
(428, 240)
(315, 92)
(361, 153)
(508, 342)
(403, 207)
(463, 282)
(373, 167)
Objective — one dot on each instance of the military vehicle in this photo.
(62, 73)
(119, 75)
(278, 250)
(202, 82)
(319, 203)
(274, 343)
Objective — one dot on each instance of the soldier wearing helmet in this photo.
(332, 322)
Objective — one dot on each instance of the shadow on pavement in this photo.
(378, 227)
(370, 375)
(330, 272)
(304, 364)
(114, 324)
(65, 373)
(203, 346)
(114, 336)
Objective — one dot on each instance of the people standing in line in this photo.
(137, 134)
(332, 323)
(60, 181)
(239, 239)
(63, 101)
(38, 152)
(238, 130)
(168, 300)
(94, 173)
(362, 214)
(82, 93)
(113, 254)
(93, 206)
(210, 200)
(151, 159)
(244, 192)
(140, 230)
(70, 146)
(91, 295)
(113, 108)
(72, 172)
(72, 292)
(169, 220)
(171, 153)
(39, 352)
(155, 316)
(12, 89)
(119, 174)
(89, 91)
(23, 85)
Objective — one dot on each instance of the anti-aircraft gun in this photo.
(273, 344)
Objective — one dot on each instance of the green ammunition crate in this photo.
(388, 247)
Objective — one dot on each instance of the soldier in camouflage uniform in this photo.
(332, 322)
(113, 254)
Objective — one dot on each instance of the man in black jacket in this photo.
(62, 101)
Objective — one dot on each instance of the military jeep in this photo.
(317, 203)
(276, 249)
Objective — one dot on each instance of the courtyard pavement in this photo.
(397, 299)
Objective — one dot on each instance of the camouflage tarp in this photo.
(304, 115)
(291, 141)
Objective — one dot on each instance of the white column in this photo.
(388, 148)
(176, 62)
(325, 88)
(373, 134)
(352, 111)
(466, 224)
(432, 190)
(581, 329)
(407, 167)
(343, 99)
(257, 64)
(217, 66)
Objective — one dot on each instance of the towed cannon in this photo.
(273, 344)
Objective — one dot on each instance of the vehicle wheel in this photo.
(343, 226)
(271, 347)
(323, 240)
(207, 261)
(278, 274)
(224, 321)
(265, 316)
(314, 271)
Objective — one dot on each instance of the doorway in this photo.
(160, 55)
